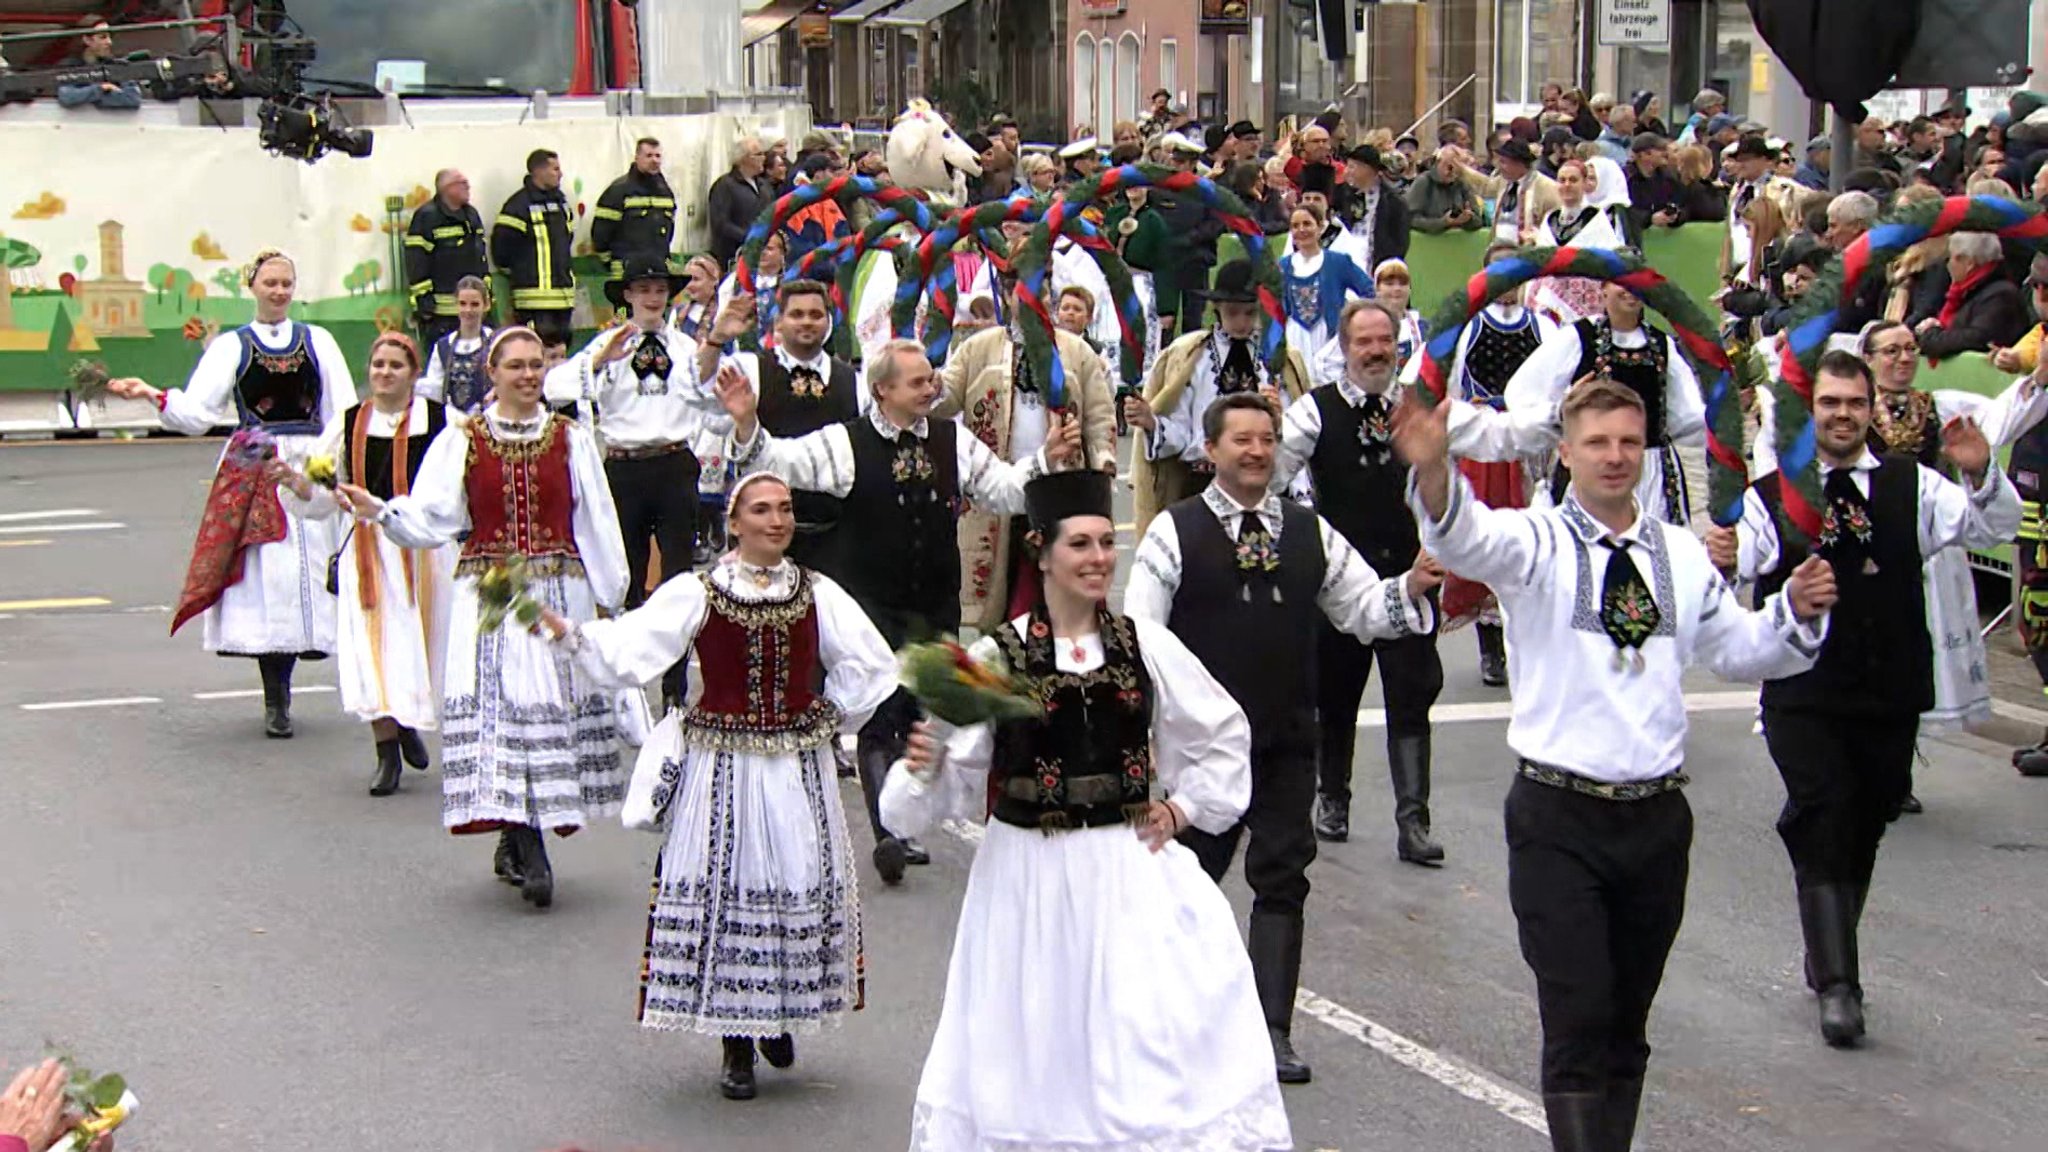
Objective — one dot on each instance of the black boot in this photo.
(1826, 917)
(387, 769)
(914, 853)
(1911, 805)
(1493, 656)
(412, 748)
(891, 857)
(277, 695)
(779, 1051)
(1275, 946)
(736, 1074)
(1408, 760)
(536, 876)
(1333, 819)
(506, 862)
(1578, 1121)
(1624, 1102)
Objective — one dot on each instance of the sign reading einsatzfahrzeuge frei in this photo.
(1627, 23)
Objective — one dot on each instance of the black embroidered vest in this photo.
(1362, 493)
(280, 390)
(788, 414)
(900, 523)
(1087, 762)
(1877, 659)
(1641, 370)
(376, 477)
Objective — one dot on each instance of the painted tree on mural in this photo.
(13, 254)
(229, 280)
(363, 278)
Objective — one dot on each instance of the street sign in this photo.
(1634, 23)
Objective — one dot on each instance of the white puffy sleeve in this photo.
(957, 787)
(206, 400)
(337, 383)
(322, 505)
(433, 382)
(820, 461)
(638, 647)
(436, 511)
(1201, 741)
(595, 522)
(1536, 390)
(2012, 415)
(1685, 410)
(1300, 428)
(860, 669)
(1509, 549)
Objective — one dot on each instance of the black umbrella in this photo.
(1842, 52)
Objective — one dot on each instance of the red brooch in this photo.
(1040, 630)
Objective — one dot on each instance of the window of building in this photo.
(1735, 41)
(521, 44)
(1126, 106)
(1105, 91)
(1169, 67)
(1536, 42)
(1084, 79)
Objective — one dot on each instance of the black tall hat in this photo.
(1236, 283)
(1056, 496)
(1317, 178)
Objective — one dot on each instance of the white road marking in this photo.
(95, 526)
(251, 693)
(53, 514)
(110, 702)
(2020, 712)
(1736, 701)
(1459, 1077)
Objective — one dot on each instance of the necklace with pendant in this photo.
(1077, 652)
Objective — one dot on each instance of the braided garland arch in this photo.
(1728, 475)
(842, 258)
(1818, 314)
(928, 273)
(843, 190)
(1064, 218)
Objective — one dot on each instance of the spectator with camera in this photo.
(96, 50)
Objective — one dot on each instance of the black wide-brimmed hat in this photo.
(1235, 284)
(1369, 156)
(638, 268)
(1057, 496)
(1516, 149)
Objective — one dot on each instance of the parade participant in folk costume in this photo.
(1073, 314)
(1749, 232)
(394, 602)
(529, 744)
(455, 362)
(1340, 435)
(1318, 187)
(1315, 285)
(1144, 1026)
(801, 388)
(1605, 606)
(1491, 349)
(1579, 222)
(1192, 373)
(1394, 286)
(258, 571)
(1248, 581)
(755, 930)
(990, 386)
(699, 307)
(1843, 734)
(902, 477)
(641, 378)
(1620, 346)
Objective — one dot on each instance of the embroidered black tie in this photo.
(805, 383)
(1628, 613)
(1509, 197)
(1240, 370)
(1375, 430)
(1258, 557)
(1845, 524)
(1022, 378)
(1743, 196)
(912, 470)
(650, 359)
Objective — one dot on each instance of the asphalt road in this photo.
(279, 962)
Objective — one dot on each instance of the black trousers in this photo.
(1411, 678)
(657, 501)
(883, 738)
(1281, 823)
(1845, 777)
(1598, 889)
(553, 324)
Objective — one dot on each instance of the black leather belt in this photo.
(649, 453)
(1551, 776)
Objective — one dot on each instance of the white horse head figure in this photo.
(924, 154)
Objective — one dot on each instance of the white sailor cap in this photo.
(1085, 146)
(1178, 142)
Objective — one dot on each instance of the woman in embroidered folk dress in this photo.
(754, 933)
(290, 380)
(455, 364)
(1583, 222)
(1315, 285)
(393, 629)
(1099, 996)
(529, 742)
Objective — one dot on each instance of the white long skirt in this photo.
(392, 656)
(1962, 682)
(755, 924)
(527, 737)
(1099, 998)
(280, 606)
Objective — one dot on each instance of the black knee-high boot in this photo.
(537, 876)
(388, 768)
(277, 695)
(1493, 656)
(1275, 945)
(1827, 917)
(736, 1073)
(1408, 762)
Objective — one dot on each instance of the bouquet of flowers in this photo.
(103, 1104)
(320, 470)
(501, 592)
(89, 379)
(951, 684)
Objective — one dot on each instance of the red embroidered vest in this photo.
(761, 674)
(521, 498)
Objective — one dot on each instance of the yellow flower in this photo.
(320, 470)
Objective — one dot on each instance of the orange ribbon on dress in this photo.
(369, 563)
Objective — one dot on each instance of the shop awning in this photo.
(862, 10)
(768, 19)
(917, 13)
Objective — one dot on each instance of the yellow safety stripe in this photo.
(508, 221)
(419, 242)
(455, 232)
(544, 258)
(543, 298)
(603, 213)
(668, 202)
(2031, 527)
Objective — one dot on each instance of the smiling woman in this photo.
(520, 45)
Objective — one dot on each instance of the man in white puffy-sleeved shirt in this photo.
(1248, 581)
(1843, 734)
(1605, 606)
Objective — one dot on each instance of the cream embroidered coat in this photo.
(1156, 484)
(974, 387)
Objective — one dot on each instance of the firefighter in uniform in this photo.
(636, 216)
(531, 243)
(444, 243)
